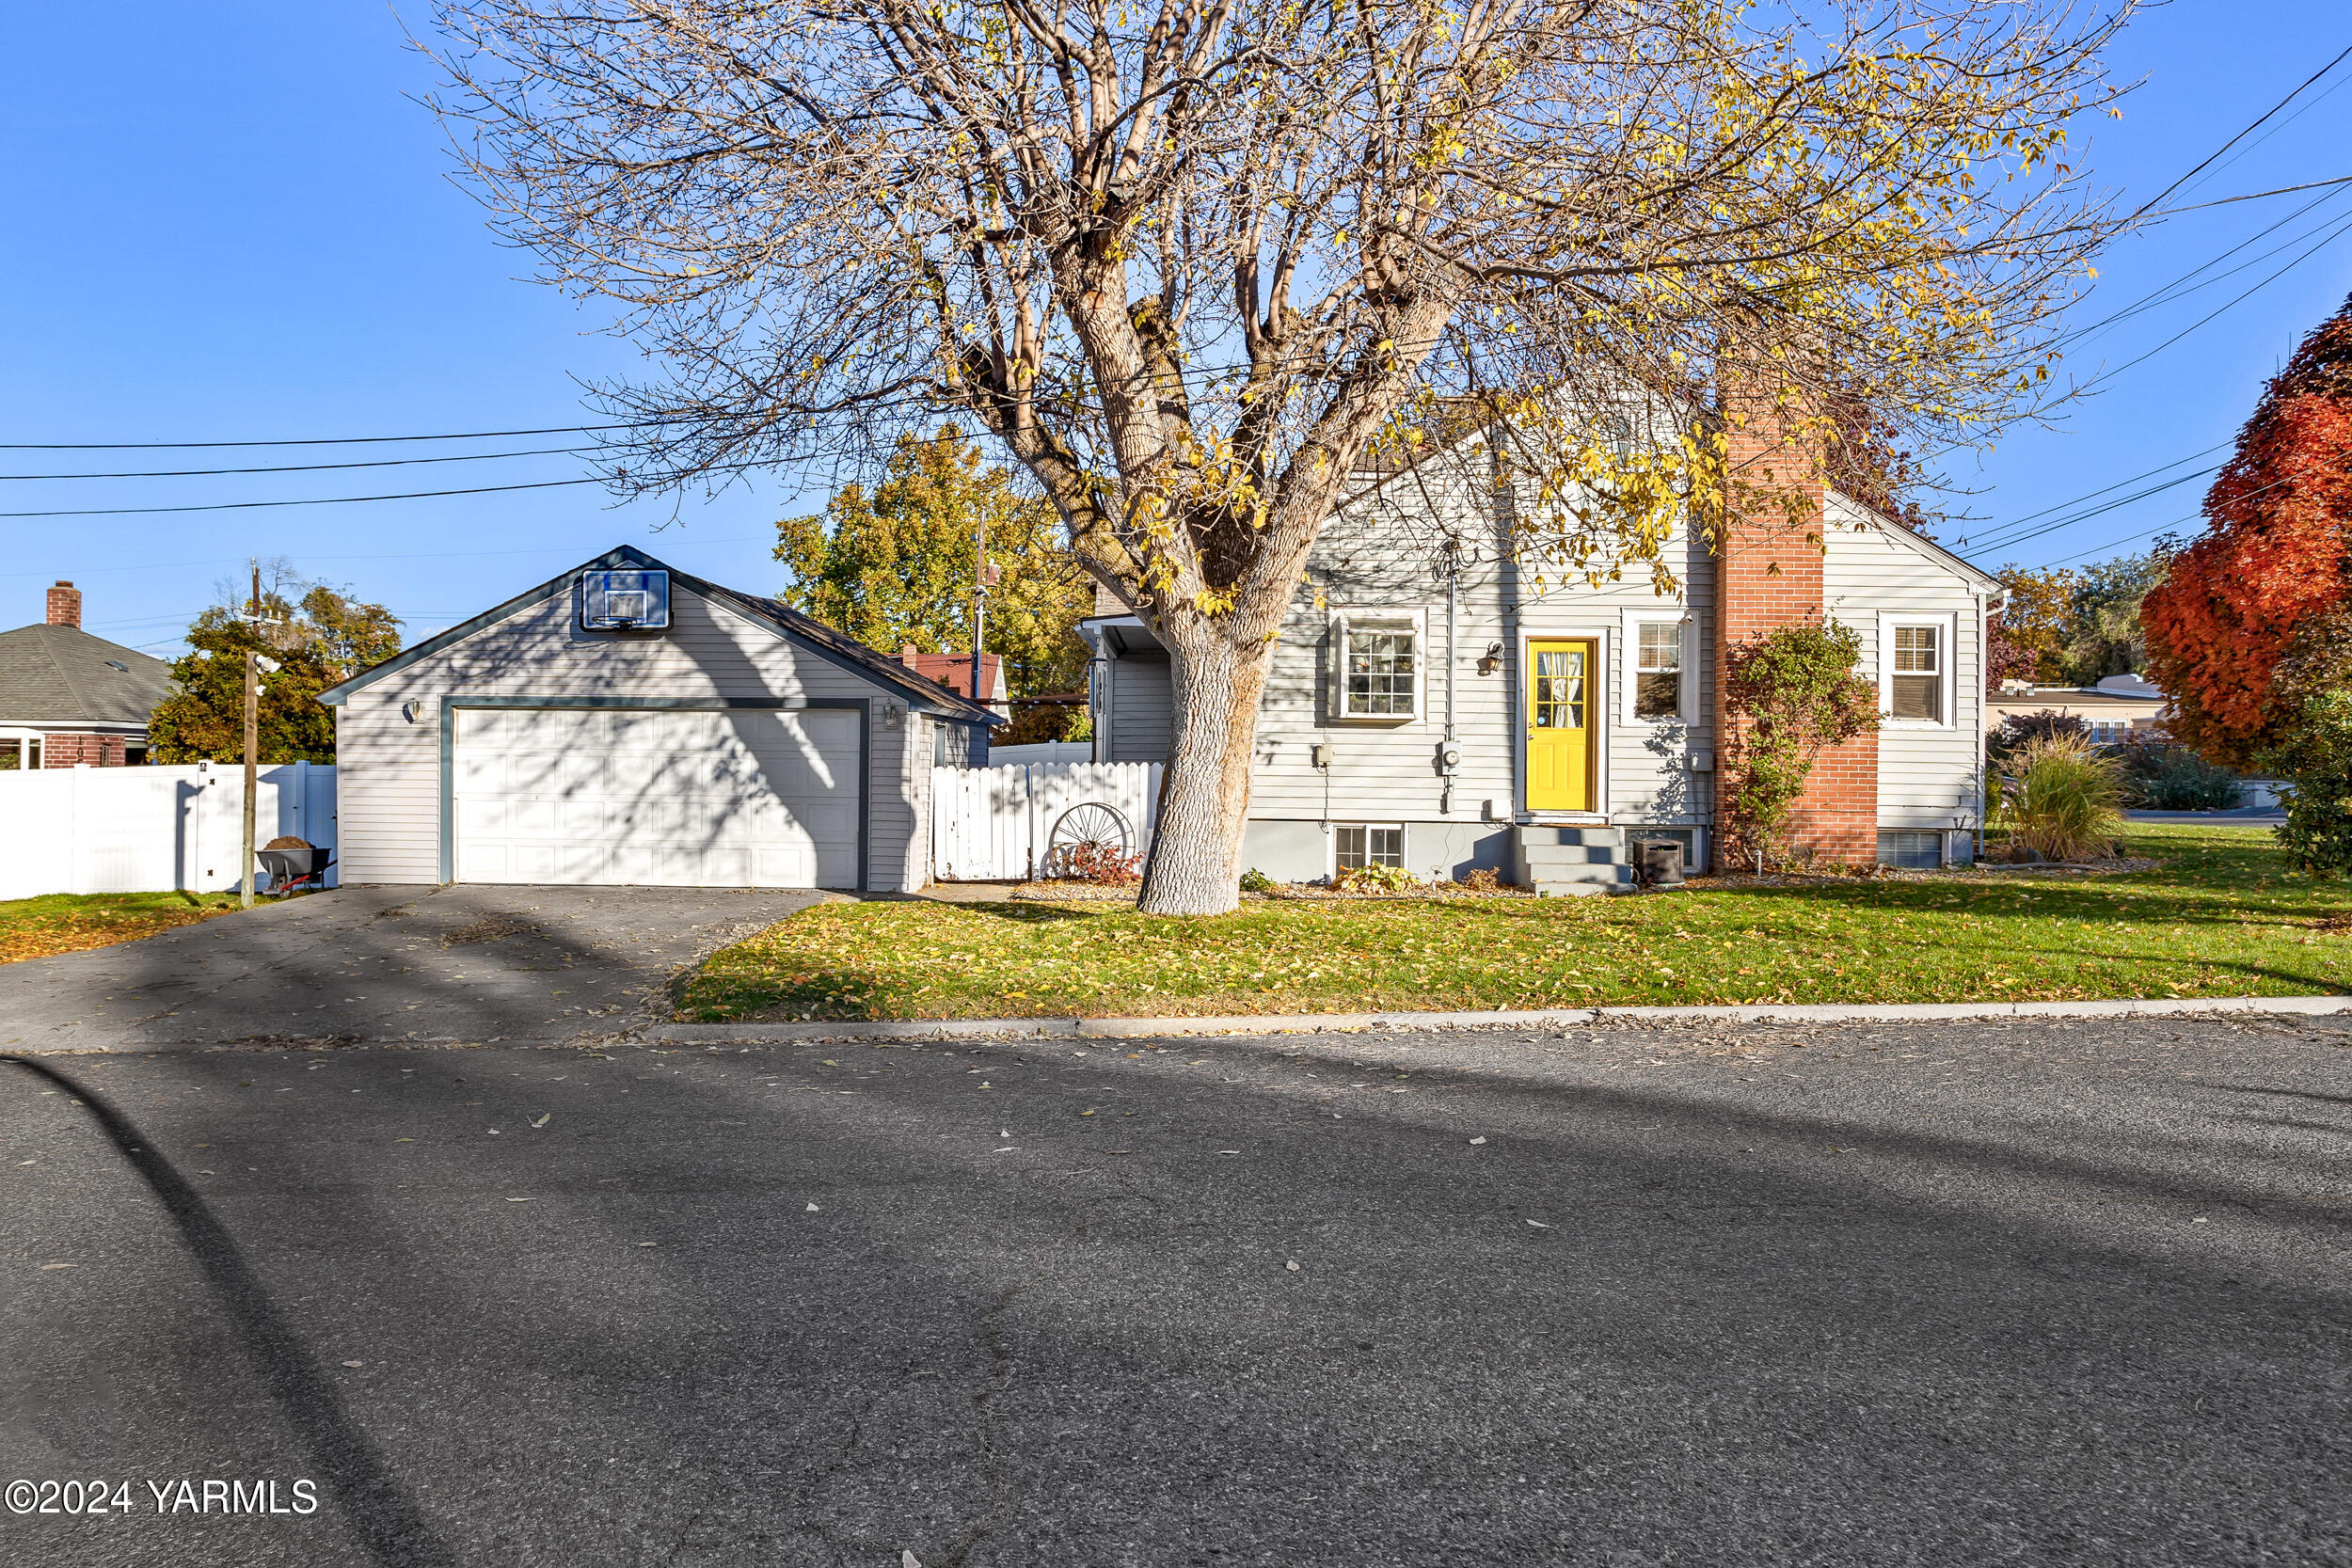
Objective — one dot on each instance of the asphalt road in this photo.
(460, 963)
(2026, 1293)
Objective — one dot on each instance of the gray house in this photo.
(69, 699)
(1438, 705)
(627, 722)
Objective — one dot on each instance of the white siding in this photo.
(389, 768)
(1386, 770)
(1382, 554)
(1872, 570)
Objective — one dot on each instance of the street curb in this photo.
(1289, 1023)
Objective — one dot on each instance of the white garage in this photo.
(626, 723)
(738, 797)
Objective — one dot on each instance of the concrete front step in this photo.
(1591, 835)
(1570, 854)
(1569, 860)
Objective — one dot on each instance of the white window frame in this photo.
(1404, 842)
(1630, 677)
(1414, 623)
(1947, 629)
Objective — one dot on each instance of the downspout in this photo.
(1453, 668)
(1510, 587)
(1986, 604)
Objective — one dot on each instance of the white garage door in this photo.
(597, 796)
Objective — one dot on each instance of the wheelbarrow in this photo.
(289, 869)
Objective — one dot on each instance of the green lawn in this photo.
(68, 923)
(2223, 918)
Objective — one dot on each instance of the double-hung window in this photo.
(1379, 667)
(1658, 669)
(1916, 684)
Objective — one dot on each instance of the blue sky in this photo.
(233, 222)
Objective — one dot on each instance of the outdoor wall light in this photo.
(410, 709)
(1491, 659)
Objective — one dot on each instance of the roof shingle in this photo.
(64, 675)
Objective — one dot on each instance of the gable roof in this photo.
(1913, 538)
(63, 674)
(813, 636)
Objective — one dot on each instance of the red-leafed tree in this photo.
(2274, 557)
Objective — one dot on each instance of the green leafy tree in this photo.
(897, 564)
(2311, 752)
(316, 634)
(2102, 632)
(1794, 693)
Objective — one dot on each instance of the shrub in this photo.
(1375, 879)
(1099, 862)
(1255, 880)
(2311, 693)
(2161, 776)
(2060, 798)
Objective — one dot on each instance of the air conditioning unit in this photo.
(624, 601)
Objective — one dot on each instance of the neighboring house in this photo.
(1446, 718)
(954, 671)
(2116, 709)
(624, 723)
(68, 698)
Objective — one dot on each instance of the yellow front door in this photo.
(1559, 727)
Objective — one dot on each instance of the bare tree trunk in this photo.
(1205, 799)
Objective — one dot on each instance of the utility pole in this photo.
(252, 740)
(981, 578)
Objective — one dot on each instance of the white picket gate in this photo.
(994, 824)
(150, 830)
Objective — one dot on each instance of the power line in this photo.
(321, 500)
(401, 555)
(2334, 88)
(2158, 296)
(321, 440)
(2013, 540)
(2240, 136)
(2341, 226)
(319, 468)
(2104, 489)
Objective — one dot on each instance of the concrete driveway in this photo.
(459, 963)
(2042, 1292)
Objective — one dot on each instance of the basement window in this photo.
(1912, 850)
(1362, 845)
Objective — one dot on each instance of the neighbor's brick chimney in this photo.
(64, 604)
(1768, 574)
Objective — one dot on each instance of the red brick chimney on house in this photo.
(1768, 574)
(64, 604)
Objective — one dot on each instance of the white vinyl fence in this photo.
(150, 830)
(1042, 751)
(991, 824)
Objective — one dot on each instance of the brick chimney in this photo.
(906, 655)
(1768, 574)
(64, 604)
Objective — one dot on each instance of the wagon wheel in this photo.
(1093, 824)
